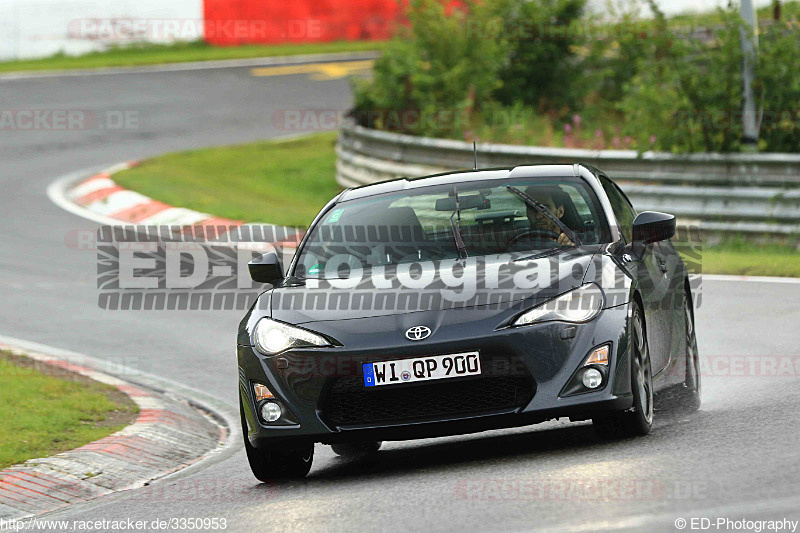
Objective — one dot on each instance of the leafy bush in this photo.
(513, 124)
(779, 87)
(534, 71)
(541, 63)
(687, 94)
(688, 98)
(617, 48)
(437, 73)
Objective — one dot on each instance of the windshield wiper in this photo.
(540, 207)
(462, 249)
(542, 253)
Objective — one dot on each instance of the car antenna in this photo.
(475, 153)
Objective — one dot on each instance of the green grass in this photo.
(153, 54)
(280, 182)
(46, 413)
(748, 259)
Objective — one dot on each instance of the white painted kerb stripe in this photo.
(118, 201)
(91, 185)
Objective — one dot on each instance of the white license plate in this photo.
(421, 369)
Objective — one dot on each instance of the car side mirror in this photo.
(651, 226)
(266, 268)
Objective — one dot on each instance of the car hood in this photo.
(491, 285)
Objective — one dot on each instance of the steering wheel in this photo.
(533, 233)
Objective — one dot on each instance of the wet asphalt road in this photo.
(737, 457)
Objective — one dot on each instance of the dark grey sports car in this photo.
(463, 302)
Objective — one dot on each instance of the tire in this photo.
(688, 396)
(356, 449)
(638, 420)
(290, 462)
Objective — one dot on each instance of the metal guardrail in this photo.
(742, 193)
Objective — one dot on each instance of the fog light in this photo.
(271, 412)
(592, 378)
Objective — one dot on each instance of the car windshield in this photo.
(425, 223)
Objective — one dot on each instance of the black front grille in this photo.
(500, 387)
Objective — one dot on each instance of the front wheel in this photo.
(287, 462)
(689, 391)
(639, 419)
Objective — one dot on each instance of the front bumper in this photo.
(302, 381)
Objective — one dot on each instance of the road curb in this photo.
(100, 195)
(98, 198)
(168, 435)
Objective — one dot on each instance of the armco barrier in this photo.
(741, 193)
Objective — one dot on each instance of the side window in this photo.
(623, 210)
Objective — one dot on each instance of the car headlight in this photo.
(578, 305)
(273, 337)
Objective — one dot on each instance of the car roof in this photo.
(466, 176)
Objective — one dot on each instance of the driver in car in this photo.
(551, 198)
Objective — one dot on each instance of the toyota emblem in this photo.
(417, 333)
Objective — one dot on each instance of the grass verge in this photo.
(281, 182)
(154, 54)
(48, 410)
(288, 182)
(748, 259)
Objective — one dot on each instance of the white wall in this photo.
(670, 7)
(37, 28)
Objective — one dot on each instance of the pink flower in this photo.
(576, 119)
(616, 142)
(652, 139)
(598, 133)
(567, 129)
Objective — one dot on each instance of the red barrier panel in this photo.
(232, 22)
